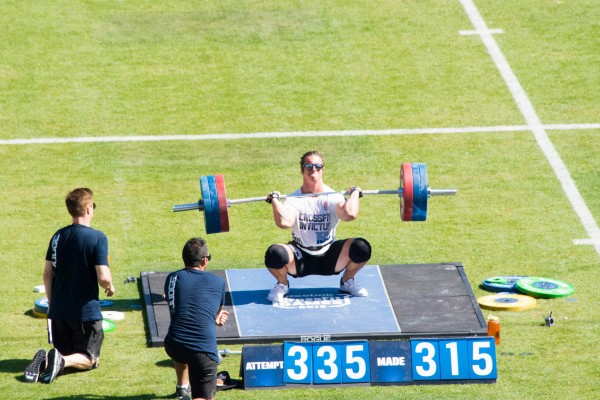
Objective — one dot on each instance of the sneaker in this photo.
(278, 292)
(37, 365)
(55, 366)
(183, 392)
(352, 287)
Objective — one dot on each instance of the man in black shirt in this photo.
(76, 263)
(196, 300)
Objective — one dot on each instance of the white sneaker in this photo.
(352, 287)
(278, 292)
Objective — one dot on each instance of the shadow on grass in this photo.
(168, 363)
(15, 366)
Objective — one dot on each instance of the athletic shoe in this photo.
(37, 365)
(55, 366)
(278, 292)
(352, 287)
(183, 393)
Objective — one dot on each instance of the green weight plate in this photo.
(108, 325)
(544, 287)
(507, 302)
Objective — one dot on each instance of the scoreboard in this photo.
(360, 362)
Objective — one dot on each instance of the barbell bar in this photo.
(414, 193)
(227, 352)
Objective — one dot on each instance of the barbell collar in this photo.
(188, 207)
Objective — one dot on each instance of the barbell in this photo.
(414, 193)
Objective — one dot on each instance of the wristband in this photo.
(354, 188)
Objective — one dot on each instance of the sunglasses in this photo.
(310, 167)
(208, 257)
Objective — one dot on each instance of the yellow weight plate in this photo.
(38, 314)
(507, 302)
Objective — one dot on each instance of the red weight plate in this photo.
(223, 208)
(406, 184)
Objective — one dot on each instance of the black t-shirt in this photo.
(74, 251)
(194, 299)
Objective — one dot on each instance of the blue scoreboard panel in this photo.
(360, 362)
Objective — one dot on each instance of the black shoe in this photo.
(183, 393)
(35, 368)
(55, 366)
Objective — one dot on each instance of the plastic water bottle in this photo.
(494, 328)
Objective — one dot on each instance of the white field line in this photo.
(579, 242)
(271, 135)
(534, 124)
(492, 31)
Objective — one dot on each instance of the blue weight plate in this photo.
(215, 214)
(502, 283)
(425, 190)
(419, 192)
(41, 305)
(209, 219)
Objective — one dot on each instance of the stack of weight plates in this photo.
(40, 307)
(517, 293)
(40, 310)
(110, 317)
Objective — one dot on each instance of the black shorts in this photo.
(70, 337)
(323, 264)
(202, 369)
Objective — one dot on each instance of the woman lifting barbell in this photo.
(313, 221)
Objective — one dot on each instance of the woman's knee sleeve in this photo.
(360, 251)
(276, 257)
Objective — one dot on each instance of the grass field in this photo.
(119, 73)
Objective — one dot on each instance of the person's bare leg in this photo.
(79, 361)
(181, 371)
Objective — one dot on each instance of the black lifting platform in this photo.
(405, 301)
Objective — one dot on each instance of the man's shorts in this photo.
(202, 369)
(70, 337)
(323, 264)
